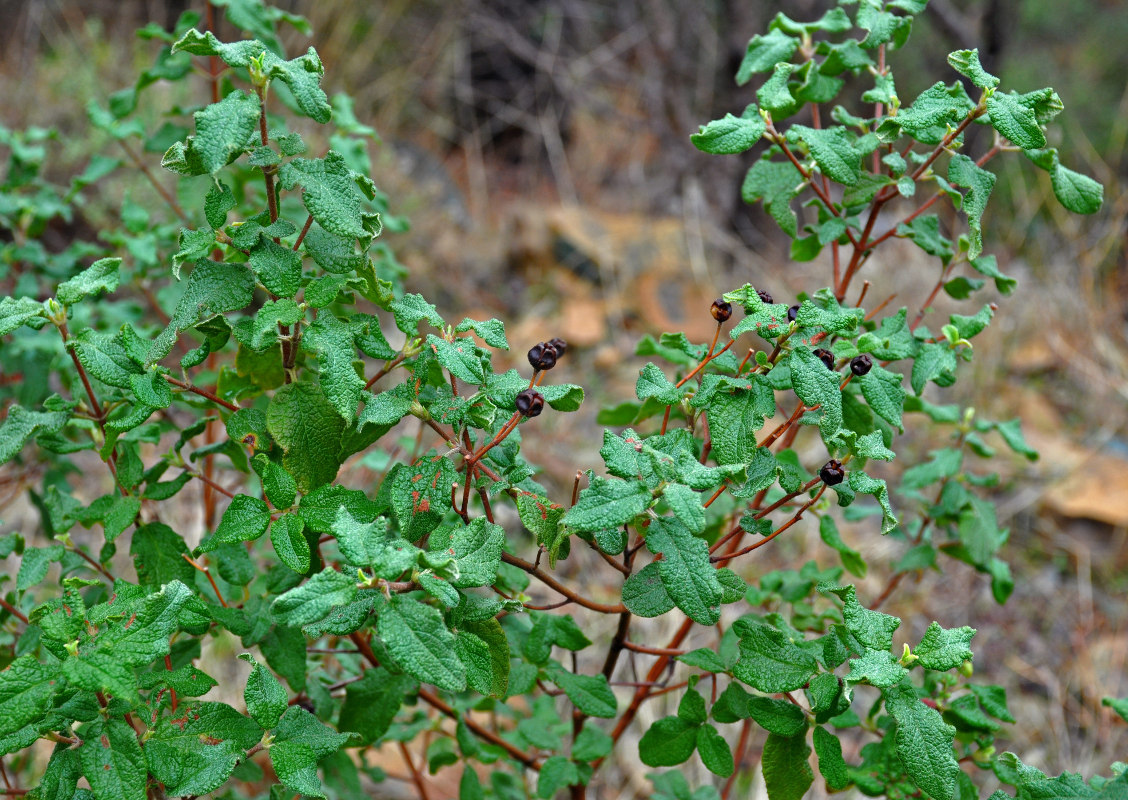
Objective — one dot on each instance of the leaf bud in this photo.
(543, 355)
(530, 403)
(826, 357)
(764, 296)
(720, 310)
(832, 473)
(862, 364)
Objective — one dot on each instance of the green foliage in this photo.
(405, 612)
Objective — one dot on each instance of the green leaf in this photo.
(685, 570)
(588, 693)
(851, 559)
(212, 289)
(278, 267)
(944, 649)
(265, 698)
(993, 700)
(331, 195)
(817, 385)
(372, 703)
(302, 75)
(652, 382)
(16, 312)
(735, 418)
(101, 672)
(833, 151)
(459, 357)
(778, 717)
(787, 773)
(966, 62)
(224, 130)
(476, 549)
(644, 593)
(831, 764)
(314, 599)
(924, 743)
(300, 741)
(26, 689)
(591, 743)
(1015, 121)
(776, 183)
(764, 52)
(1078, 193)
(421, 494)
(987, 265)
(104, 358)
(731, 134)
(876, 667)
(936, 362)
(196, 753)
(245, 519)
(962, 171)
(491, 331)
(22, 425)
(607, 504)
(668, 742)
(308, 428)
(871, 628)
(932, 112)
(714, 751)
(101, 276)
(112, 760)
(412, 309)
(556, 773)
(884, 394)
(482, 646)
(421, 643)
(333, 342)
(769, 661)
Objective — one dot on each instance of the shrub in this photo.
(405, 614)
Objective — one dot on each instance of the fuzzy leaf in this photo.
(787, 773)
(1015, 121)
(1078, 193)
(966, 62)
(588, 693)
(308, 428)
(817, 385)
(685, 570)
(421, 643)
(607, 504)
(764, 52)
(832, 150)
(944, 649)
(731, 134)
(668, 742)
(112, 760)
(212, 289)
(962, 171)
(223, 130)
(330, 193)
(101, 276)
(314, 599)
(924, 743)
(265, 698)
(769, 662)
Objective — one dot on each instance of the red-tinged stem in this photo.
(94, 563)
(715, 495)
(701, 366)
(783, 426)
(11, 609)
(209, 482)
(95, 406)
(482, 733)
(798, 515)
(207, 573)
(395, 362)
(416, 778)
(188, 387)
(741, 751)
(554, 584)
(156, 184)
(654, 651)
(305, 230)
(787, 498)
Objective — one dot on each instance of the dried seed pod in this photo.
(793, 312)
(862, 364)
(543, 355)
(530, 403)
(832, 473)
(765, 296)
(826, 357)
(560, 345)
(720, 310)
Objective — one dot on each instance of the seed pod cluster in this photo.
(530, 403)
(720, 310)
(544, 355)
(764, 296)
(792, 312)
(862, 364)
(832, 472)
(826, 357)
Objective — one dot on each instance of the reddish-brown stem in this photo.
(395, 362)
(705, 361)
(267, 172)
(665, 421)
(209, 482)
(11, 609)
(208, 575)
(189, 387)
(156, 184)
(715, 495)
(877, 310)
(95, 407)
(305, 230)
(556, 585)
(482, 733)
(823, 196)
(213, 61)
(787, 498)
(576, 487)
(741, 751)
(862, 294)
(94, 563)
(783, 426)
(654, 651)
(795, 518)
(416, 778)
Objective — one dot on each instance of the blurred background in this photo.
(540, 150)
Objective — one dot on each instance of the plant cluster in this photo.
(404, 615)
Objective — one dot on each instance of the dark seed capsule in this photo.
(530, 403)
(862, 364)
(560, 345)
(767, 298)
(543, 355)
(720, 310)
(826, 357)
(832, 473)
(792, 313)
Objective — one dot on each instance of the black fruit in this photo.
(720, 310)
(832, 473)
(560, 345)
(792, 313)
(530, 403)
(543, 355)
(826, 357)
(862, 364)
(767, 298)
